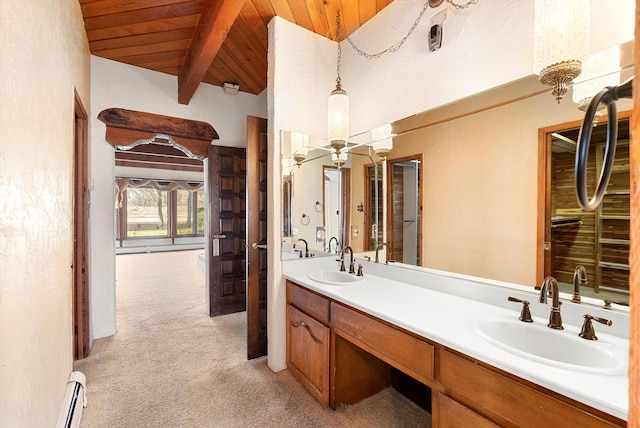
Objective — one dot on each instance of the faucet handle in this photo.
(588, 332)
(607, 304)
(360, 273)
(525, 314)
(342, 268)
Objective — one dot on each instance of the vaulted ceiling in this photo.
(211, 41)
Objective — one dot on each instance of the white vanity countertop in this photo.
(406, 298)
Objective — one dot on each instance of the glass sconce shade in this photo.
(299, 146)
(338, 109)
(560, 42)
(382, 143)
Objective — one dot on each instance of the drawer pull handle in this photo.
(305, 325)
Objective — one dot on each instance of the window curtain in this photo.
(123, 183)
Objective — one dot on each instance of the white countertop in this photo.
(414, 299)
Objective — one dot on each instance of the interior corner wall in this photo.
(114, 84)
(300, 77)
(45, 55)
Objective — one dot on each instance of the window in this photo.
(146, 213)
(159, 209)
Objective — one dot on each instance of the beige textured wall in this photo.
(44, 55)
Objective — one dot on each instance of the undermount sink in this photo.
(560, 348)
(335, 277)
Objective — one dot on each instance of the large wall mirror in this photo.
(463, 190)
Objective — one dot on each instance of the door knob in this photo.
(255, 246)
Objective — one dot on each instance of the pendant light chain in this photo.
(395, 47)
(462, 6)
(338, 79)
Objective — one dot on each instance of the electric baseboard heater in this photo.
(75, 399)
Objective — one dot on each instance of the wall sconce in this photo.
(600, 70)
(299, 147)
(338, 106)
(382, 143)
(560, 42)
(230, 88)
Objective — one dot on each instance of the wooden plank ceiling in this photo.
(211, 41)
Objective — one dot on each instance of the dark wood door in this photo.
(227, 225)
(257, 237)
(80, 294)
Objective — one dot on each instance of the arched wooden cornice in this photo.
(127, 129)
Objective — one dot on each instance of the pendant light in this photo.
(338, 106)
(560, 42)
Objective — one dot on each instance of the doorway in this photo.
(598, 240)
(405, 206)
(80, 294)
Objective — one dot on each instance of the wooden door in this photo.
(227, 225)
(80, 294)
(257, 183)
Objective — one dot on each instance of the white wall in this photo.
(45, 55)
(123, 86)
(484, 46)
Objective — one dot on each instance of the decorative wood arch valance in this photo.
(127, 129)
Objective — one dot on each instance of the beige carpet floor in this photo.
(171, 365)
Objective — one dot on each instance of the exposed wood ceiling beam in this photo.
(215, 23)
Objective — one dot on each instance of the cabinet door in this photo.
(308, 352)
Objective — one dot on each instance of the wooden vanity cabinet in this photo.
(484, 393)
(343, 355)
(308, 340)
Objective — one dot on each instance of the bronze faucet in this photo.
(579, 278)
(352, 268)
(337, 244)
(306, 248)
(550, 287)
(389, 253)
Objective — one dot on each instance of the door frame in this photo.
(543, 227)
(81, 237)
(389, 196)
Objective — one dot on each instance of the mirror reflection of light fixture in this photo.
(382, 143)
(339, 158)
(338, 106)
(560, 42)
(600, 70)
(299, 146)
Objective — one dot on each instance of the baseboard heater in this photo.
(75, 399)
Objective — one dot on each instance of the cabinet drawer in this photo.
(448, 413)
(401, 350)
(308, 352)
(311, 303)
(513, 401)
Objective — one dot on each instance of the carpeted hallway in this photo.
(171, 365)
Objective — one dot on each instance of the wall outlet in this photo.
(355, 232)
